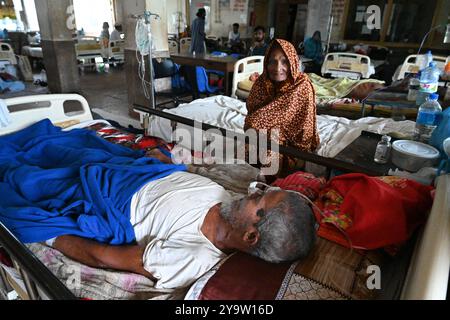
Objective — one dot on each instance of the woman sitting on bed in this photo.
(283, 98)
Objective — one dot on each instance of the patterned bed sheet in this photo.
(96, 284)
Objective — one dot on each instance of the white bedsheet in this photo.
(228, 113)
(86, 124)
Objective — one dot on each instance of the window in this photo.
(410, 20)
(8, 18)
(356, 28)
(90, 15)
(31, 15)
(402, 21)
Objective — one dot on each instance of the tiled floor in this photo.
(105, 92)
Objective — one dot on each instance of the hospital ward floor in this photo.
(106, 94)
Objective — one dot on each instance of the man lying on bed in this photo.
(108, 206)
(185, 224)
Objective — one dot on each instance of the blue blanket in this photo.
(55, 183)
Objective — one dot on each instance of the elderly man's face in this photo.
(278, 66)
(249, 211)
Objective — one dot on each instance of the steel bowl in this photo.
(413, 156)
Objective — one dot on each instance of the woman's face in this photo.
(278, 66)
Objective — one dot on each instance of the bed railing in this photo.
(329, 163)
(37, 278)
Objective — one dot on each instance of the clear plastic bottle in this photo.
(427, 119)
(428, 58)
(414, 86)
(383, 152)
(429, 83)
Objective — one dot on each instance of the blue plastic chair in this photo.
(203, 82)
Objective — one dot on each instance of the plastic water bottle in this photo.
(429, 83)
(427, 119)
(428, 59)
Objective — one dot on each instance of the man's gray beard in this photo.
(229, 212)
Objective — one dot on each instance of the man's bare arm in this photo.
(97, 255)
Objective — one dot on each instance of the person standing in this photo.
(198, 33)
(105, 35)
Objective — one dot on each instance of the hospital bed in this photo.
(328, 91)
(350, 65)
(117, 51)
(242, 71)
(413, 63)
(91, 52)
(173, 46)
(427, 278)
(185, 44)
(7, 56)
(33, 52)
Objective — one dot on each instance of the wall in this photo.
(442, 18)
(173, 7)
(223, 14)
(300, 24)
(159, 27)
(118, 12)
(90, 16)
(261, 8)
(337, 11)
(319, 12)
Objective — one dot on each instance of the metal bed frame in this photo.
(37, 278)
(39, 281)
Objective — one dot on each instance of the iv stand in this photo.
(147, 16)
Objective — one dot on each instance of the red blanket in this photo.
(374, 212)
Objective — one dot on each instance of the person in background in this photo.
(115, 35)
(4, 34)
(259, 46)
(198, 33)
(104, 41)
(234, 39)
(314, 48)
(105, 35)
